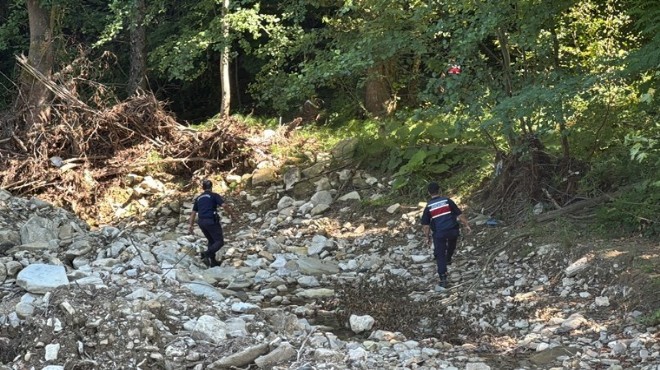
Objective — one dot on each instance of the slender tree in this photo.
(34, 95)
(224, 63)
(137, 76)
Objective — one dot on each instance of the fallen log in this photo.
(572, 208)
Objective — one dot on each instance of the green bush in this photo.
(417, 151)
(635, 189)
(651, 319)
(635, 210)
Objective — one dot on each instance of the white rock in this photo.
(24, 310)
(574, 321)
(416, 258)
(393, 208)
(52, 351)
(38, 229)
(476, 366)
(354, 195)
(204, 290)
(39, 278)
(618, 347)
(236, 327)
(308, 282)
(242, 307)
(285, 202)
(316, 293)
(150, 186)
(317, 245)
(282, 353)
(208, 328)
(322, 197)
(323, 184)
(577, 266)
(344, 175)
(357, 354)
(318, 209)
(542, 347)
(361, 324)
(521, 324)
(602, 301)
(370, 180)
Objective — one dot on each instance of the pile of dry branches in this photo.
(82, 148)
(528, 178)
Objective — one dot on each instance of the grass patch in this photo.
(651, 319)
(378, 202)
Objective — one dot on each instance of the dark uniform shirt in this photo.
(206, 205)
(440, 214)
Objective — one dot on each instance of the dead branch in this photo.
(572, 208)
(100, 140)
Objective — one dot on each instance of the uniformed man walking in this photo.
(440, 223)
(205, 209)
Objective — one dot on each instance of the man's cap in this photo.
(207, 184)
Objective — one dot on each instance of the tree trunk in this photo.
(562, 124)
(413, 85)
(34, 95)
(137, 75)
(508, 80)
(377, 92)
(224, 64)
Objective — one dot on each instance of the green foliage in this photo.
(184, 52)
(581, 76)
(652, 319)
(642, 146)
(13, 24)
(615, 171)
(355, 38)
(376, 202)
(13, 40)
(430, 160)
(417, 151)
(636, 210)
(636, 203)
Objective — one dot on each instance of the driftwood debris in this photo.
(97, 139)
(579, 206)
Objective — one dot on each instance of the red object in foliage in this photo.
(454, 70)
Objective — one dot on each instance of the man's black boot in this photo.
(443, 281)
(214, 262)
(443, 284)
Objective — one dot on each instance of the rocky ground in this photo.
(319, 273)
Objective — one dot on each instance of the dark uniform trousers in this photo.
(444, 245)
(213, 233)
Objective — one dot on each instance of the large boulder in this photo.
(40, 278)
(38, 229)
(264, 176)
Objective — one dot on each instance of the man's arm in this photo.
(427, 233)
(426, 225)
(465, 223)
(191, 223)
(229, 209)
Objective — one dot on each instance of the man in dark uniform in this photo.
(439, 221)
(206, 206)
